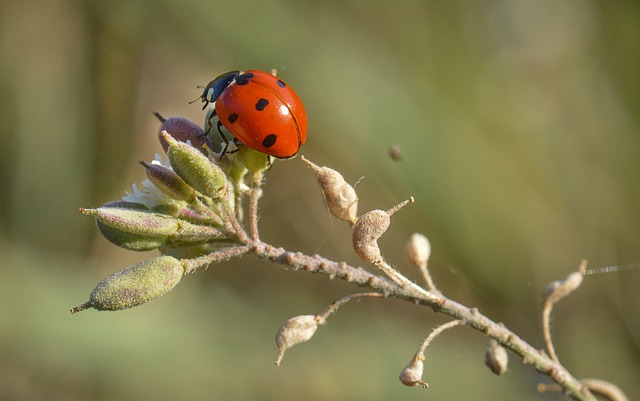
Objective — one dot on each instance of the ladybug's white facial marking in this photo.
(209, 95)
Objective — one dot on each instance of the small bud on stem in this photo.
(196, 169)
(182, 130)
(496, 358)
(167, 181)
(300, 329)
(135, 285)
(418, 251)
(296, 330)
(126, 239)
(411, 375)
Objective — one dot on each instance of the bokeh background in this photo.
(518, 123)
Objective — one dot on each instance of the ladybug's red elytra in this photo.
(259, 110)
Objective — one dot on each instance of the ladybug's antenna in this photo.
(201, 97)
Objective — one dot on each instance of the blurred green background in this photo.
(518, 122)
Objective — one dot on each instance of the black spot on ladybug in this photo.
(233, 118)
(243, 79)
(262, 103)
(269, 140)
(281, 84)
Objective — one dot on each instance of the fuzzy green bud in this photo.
(167, 181)
(132, 242)
(132, 221)
(196, 169)
(131, 226)
(182, 130)
(135, 285)
(190, 232)
(254, 161)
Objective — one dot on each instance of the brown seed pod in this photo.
(369, 227)
(341, 198)
(411, 375)
(496, 358)
(296, 330)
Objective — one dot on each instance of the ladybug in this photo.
(259, 110)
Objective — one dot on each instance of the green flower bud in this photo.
(182, 130)
(196, 169)
(235, 171)
(167, 181)
(135, 221)
(135, 285)
(254, 161)
(190, 232)
(131, 226)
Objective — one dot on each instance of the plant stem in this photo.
(439, 303)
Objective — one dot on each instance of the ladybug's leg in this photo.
(224, 138)
(210, 120)
(212, 116)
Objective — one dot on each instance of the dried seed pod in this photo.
(182, 130)
(557, 290)
(341, 198)
(135, 285)
(366, 232)
(411, 375)
(369, 227)
(418, 250)
(496, 358)
(296, 330)
(196, 169)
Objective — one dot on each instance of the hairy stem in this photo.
(439, 303)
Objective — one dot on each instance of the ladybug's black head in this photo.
(214, 88)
